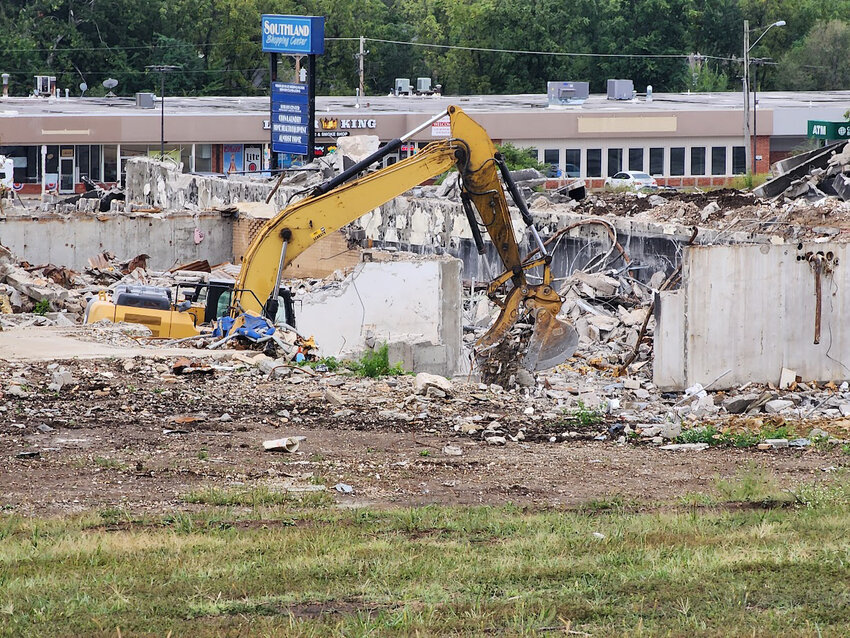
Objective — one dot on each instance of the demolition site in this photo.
(388, 339)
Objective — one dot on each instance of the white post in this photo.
(43, 170)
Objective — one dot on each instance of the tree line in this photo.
(673, 45)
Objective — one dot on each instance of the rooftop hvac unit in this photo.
(45, 84)
(621, 89)
(567, 92)
(145, 100)
(423, 85)
(402, 86)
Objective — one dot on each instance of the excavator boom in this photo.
(351, 195)
(339, 202)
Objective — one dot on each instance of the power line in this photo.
(201, 45)
(153, 47)
(553, 53)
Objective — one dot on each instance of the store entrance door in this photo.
(66, 169)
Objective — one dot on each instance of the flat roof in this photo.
(661, 102)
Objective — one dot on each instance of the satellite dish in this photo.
(110, 83)
(83, 88)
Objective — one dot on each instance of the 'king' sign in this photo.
(303, 35)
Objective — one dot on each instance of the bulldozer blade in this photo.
(552, 342)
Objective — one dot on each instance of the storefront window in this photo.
(594, 162)
(203, 158)
(698, 160)
(677, 161)
(656, 161)
(573, 165)
(615, 161)
(718, 160)
(110, 163)
(739, 160)
(27, 160)
(636, 159)
(552, 157)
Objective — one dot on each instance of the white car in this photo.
(634, 180)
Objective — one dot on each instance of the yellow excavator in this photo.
(346, 197)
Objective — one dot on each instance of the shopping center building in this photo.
(683, 139)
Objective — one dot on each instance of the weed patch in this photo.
(752, 484)
(581, 416)
(740, 439)
(375, 363)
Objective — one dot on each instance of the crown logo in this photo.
(329, 123)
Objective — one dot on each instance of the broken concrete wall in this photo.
(412, 305)
(751, 310)
(163, 185)
(70, 241)
(435, 226)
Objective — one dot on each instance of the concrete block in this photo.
(786, 378)
(414, 306)
(841, 184)
(777, 405)
(739, 404)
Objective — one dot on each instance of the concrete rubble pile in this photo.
(52, 292)
(814, 176)
(574, 404)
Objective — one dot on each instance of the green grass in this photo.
(753, 484)
(711, 435)
(580, 416)
(748, 181)
(42, 307)
(256, 496)
(375, 363)
(433, 571)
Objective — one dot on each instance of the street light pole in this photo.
(748, 136)
(162, 69)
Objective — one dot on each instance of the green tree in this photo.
(518, 158)
(821, 62)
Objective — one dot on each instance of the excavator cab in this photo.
(158, 308)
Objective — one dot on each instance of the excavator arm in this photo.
(346, 197)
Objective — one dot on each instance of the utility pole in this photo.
(362, 56)
(162, 69)
(747, 137)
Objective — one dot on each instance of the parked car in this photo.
(571, 171)
(634, 180)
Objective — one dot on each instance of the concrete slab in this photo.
(412, 305)
(36, 343)
(751, 309)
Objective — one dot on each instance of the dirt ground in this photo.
(129, 433)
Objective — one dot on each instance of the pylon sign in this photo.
(296, 35)
(290, 118)
(293, 105)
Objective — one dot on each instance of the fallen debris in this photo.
(288, 444)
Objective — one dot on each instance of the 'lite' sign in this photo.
(304, 35)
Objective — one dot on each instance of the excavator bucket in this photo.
(552, 342)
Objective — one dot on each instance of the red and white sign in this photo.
(253, 155)
(441, 128)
